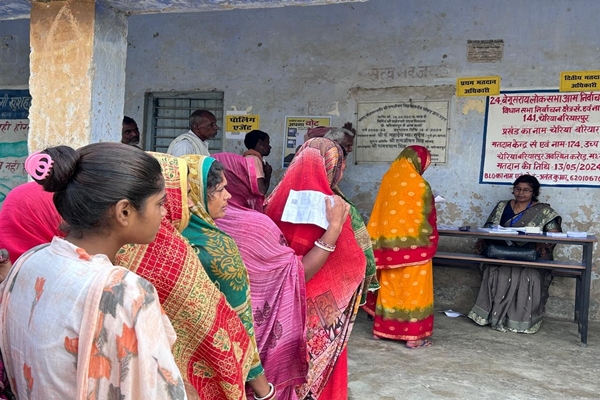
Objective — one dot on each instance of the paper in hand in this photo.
(306, 207)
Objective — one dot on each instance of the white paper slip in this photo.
(451, 313)
(576, 234)
(528, 229)
(494, 230)
(556, 234)
(306, 207)
(439, 199)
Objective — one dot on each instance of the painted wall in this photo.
(316, 61)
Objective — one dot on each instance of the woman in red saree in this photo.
(403, 229)
(28, 218)
(212, 349)
(333, 293)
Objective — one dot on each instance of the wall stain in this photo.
(473, 105)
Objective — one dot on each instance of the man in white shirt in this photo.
(259, 146)
(203, 126)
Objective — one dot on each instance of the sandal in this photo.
(424, 343)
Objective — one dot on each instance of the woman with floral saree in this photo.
(277, 276)
(212, 348)
(219, 254)
(333, 293)
(403, 229)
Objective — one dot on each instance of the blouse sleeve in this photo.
(138, 340)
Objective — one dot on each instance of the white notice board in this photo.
(550, 135)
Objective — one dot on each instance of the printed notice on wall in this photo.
(14, 127)
(385, 129)
(553, 136)
(295, 134)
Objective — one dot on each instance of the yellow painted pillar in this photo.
(77, 80)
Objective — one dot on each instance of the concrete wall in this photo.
(14, 54)
(316, 61)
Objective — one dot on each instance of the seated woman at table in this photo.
(513, 298)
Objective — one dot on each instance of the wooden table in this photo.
(582, 271)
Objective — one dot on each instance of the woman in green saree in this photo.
(219, 253)
(514, 298)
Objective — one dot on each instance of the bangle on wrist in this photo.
(324, 246)
(269, 395)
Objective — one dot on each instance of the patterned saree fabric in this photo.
(332, 294)
(212, 349)
(76, 327)
(404, 234)
(241, 181)
(219, 254)
(276, 279)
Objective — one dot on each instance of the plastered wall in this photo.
(317, 61)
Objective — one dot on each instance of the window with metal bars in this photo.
(167, 115)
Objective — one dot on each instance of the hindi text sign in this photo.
(553, 136)
(385, 129)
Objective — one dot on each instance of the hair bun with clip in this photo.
(38, 165)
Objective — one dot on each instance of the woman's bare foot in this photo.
(418, 344)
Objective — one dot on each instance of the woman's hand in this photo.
(337, 213)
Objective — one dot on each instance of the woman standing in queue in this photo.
(403, 228)
(212, 349)
(277, 275)
(73, 325)
(220, 256)
(333, 293)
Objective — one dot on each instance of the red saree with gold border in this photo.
(212, 349)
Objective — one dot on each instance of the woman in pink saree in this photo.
(277, 277)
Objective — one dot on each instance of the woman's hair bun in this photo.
(65, 165)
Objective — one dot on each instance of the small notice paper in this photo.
(306, 207)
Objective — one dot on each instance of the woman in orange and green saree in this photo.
(404, 235)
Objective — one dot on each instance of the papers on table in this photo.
(556, 234)
(306, 207)
(576, 234)
(512, 230)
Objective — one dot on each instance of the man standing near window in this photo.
(203, 126)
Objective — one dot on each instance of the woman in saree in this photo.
(277, 276)
(212, 348)
(333, 293)
(514, 298)
(403, 229)
(220, 256)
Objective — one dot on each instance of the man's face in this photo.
(207, 128)
(130, 134)
(263, 147)
(347, 143)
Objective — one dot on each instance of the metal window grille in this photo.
(168, 116)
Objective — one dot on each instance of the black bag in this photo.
(510, 253)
